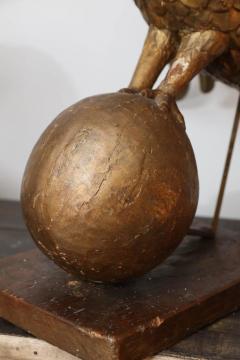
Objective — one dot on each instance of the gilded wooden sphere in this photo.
(111, 187)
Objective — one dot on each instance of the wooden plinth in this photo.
(199, 283)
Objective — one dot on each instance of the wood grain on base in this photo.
(198, 267)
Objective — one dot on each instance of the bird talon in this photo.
(149, 93)
(129, 91)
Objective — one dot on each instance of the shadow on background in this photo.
(33, 90)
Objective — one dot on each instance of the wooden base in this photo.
(199, 283)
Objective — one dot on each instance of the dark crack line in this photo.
(118, 141)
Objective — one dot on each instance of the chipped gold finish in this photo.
(207, 34)
(158, 48)
(111, 187)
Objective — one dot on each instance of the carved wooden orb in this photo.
(111, 187)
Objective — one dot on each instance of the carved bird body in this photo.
(192, 35)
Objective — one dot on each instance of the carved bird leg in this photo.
(158, 48)
(206, 82)
(196, 51)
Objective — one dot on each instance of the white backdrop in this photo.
(55, 52)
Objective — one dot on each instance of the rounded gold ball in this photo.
(111, 187)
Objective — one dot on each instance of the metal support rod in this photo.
(217, 212)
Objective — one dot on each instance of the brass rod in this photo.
(217, 212)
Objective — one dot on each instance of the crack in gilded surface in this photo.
(130, 201)
(118, 141)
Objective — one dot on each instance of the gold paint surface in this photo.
(185, 17)
(111, 187)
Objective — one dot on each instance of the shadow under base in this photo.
(198, 284)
